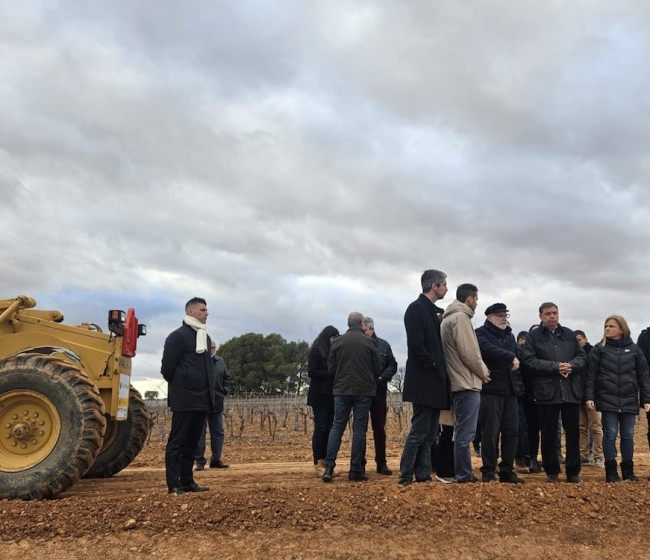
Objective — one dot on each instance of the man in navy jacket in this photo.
(498, 413)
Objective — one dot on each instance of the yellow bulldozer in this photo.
(67, 407)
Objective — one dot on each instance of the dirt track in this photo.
(269, 504)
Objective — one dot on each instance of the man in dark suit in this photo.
(187, 367)
(426, 382)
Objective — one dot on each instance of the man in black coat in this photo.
(556, 362)
(643, 342)
(187, 367)
(426, 382)
(378, 407)
(498, 413)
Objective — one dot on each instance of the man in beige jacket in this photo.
(467, 374)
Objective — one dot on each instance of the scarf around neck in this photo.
(201, 334)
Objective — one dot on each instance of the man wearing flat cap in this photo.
(498, 414)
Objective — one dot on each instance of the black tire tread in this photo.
(112, 460)
(92, 416)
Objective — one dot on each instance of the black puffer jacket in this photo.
(618, 375)
(543, 352)
(498, 350)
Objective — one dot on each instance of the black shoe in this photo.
(404, 481)
(573, 479)
(427, 479)
(328, 474)
(383, 469)
(535, 467)
(510, 478)
(199, 467)
(521, 465)
(488, 477)
(552, 478)
(194, 487)
(467, 480)
(218, 465)
(177, 491)
(357, 477)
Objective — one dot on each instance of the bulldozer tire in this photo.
(123, 440)
(51, 426)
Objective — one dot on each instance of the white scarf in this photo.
(201, 335)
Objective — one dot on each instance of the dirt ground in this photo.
(269, 504)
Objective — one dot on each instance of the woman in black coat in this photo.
(320, 396)
(618, 374)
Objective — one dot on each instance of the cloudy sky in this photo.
(293, 161)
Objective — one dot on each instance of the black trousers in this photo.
(498, 416)
(179, 453)
(378, 411)
(442, 453)
(323, 420)
(549, 415)
(531, 410)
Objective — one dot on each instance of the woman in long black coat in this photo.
(320, 396)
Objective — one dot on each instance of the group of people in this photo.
(460, 380)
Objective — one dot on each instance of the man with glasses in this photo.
(498, 414)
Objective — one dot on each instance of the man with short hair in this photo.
(467, 373)
(556, 362)
(378, 407)
(426, 382)
(498, 413)
(187, 367)
(590, 422)
(354, 363)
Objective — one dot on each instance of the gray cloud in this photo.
(294, 162)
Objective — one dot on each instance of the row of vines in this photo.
(271, 415)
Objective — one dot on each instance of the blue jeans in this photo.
(416, 456)
(214, 421)
(466, 406)
(611, 422)
(343, 405)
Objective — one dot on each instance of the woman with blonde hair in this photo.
(618, 384)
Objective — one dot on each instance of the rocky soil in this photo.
(269, 504)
